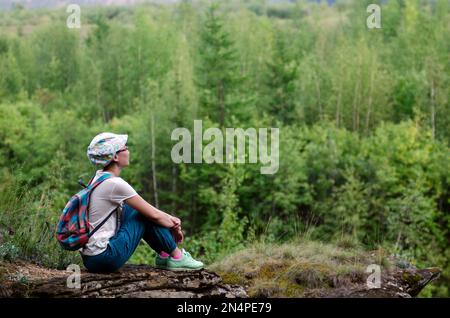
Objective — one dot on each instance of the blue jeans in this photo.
(134, 227)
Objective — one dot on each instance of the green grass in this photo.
(291, 269)
(27, 228)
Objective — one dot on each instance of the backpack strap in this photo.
(103, 222)
(105, 176)
(89, 183)
(81, 183)
(91, 186)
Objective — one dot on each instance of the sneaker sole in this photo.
(161, 267)
(184, 269)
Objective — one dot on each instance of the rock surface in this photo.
(137, 281)
(398, 283)
(143, 281)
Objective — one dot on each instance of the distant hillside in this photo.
(34, 4)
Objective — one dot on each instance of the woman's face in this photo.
(122, 157)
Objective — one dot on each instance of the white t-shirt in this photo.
(106, 197)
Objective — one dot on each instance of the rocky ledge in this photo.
(397, 283)
(137, 281)
(143, 281)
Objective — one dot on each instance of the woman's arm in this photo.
(153, 214)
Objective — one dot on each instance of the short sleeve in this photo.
(121, 191)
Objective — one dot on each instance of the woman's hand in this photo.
(176, 221)
(176, 231)
(178, 235)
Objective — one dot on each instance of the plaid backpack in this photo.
(73, 226)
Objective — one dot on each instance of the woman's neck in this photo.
(114, 169)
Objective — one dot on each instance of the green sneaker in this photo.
(184, 264)
(161, 262)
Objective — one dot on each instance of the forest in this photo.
(363, 117)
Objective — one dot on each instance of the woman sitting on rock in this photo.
(110, 247)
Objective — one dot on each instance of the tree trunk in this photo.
(355, 104)
(221, 99)
(433, 110)
(369, 103)
(338, 107)
(155, 185)
(174, 186)
(319, 98)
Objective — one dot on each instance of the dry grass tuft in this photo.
(291, 269)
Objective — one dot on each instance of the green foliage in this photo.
(9, 252)
(282, 73)
(27, 226)
(218, 72)
(229, 236)
(363, 119)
